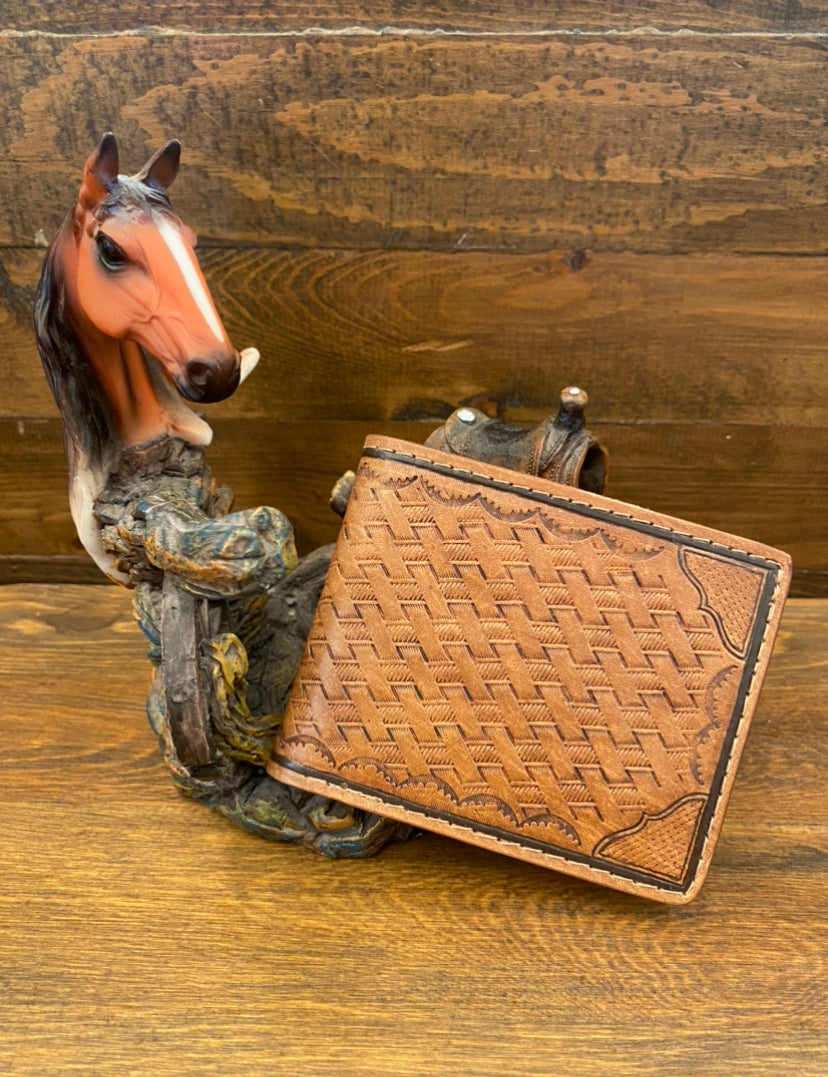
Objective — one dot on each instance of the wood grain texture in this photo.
(143, 935)
(400, 206)
(370, 335)
(673, 143)
(706, 374)
(766, 483)
(463, 16)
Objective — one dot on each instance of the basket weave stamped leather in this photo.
(536, 670)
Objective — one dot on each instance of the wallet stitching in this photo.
(639, 518)
(748, 707)
(631, 876)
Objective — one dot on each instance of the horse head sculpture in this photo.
(126, 326)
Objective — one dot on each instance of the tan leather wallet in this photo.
(537, 670)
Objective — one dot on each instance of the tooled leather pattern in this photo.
(507, 663)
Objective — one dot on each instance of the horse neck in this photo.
(122, 372)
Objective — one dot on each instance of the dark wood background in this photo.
(404, 209)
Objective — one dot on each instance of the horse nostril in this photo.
(208, 382)
(198, 373)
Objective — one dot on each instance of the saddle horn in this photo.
(162, 168)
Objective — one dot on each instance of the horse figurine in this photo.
(127, 331)
(125, 323)
(126, 328)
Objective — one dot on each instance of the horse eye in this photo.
(110, 254)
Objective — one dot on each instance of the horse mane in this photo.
(87, 421)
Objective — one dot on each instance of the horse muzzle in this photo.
(206, 381)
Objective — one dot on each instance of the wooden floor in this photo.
(142, 935)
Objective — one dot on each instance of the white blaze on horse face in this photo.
(185, 260)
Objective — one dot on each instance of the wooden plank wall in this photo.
(404, 209)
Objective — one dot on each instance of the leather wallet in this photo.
(534, 669)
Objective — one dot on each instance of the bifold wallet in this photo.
(536, 670)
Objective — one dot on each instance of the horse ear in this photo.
(162, 168)
(100, 173)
